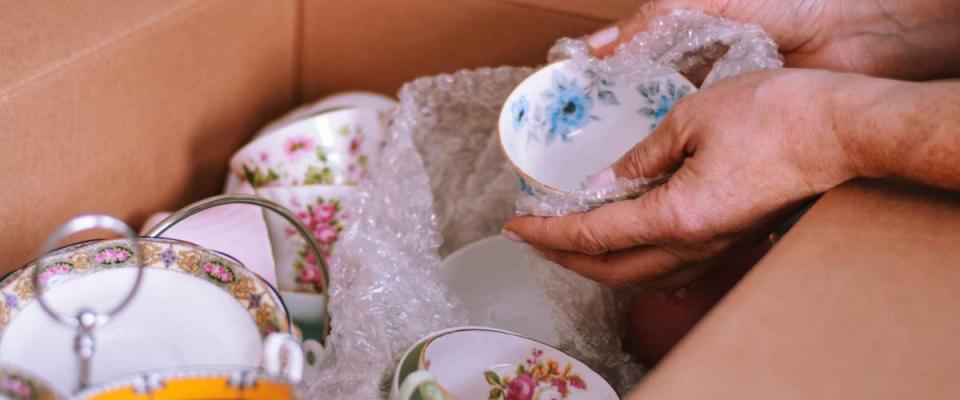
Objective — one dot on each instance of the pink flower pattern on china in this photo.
(351, 168)
(16, 387)
(52, 271)
(219, 271)
(112, 255)
(296, 147)
(535, 379)
(324, 218)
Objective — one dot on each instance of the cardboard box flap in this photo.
(607, 10)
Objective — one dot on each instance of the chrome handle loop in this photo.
(286, 214)
(73, 226)
(86, 320)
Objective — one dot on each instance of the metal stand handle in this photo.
(87, 320)
(225, 199)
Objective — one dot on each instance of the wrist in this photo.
(875, 121)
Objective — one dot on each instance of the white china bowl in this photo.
(563, 124)
(194, 308)
(498, 289)
(335, 147)
(478, 363)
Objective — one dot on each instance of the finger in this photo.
(666, 214)
(659, 153)
(612, 227)
(605, 41)
(619, 269)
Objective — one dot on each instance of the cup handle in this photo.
(313, 347)
(413, 382)
(273, 348)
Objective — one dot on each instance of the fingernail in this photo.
(603, 37)
(510, 235)
(536, 251)
(601, 179)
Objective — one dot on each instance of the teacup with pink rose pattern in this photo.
(332, 148)
(321, 208)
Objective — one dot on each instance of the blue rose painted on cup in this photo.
(659, 102)
(568, 108)
(520, 110)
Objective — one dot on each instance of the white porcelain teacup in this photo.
(332, 148)
(484, 363)
(378, 103)
(352, 99)
(563, 124)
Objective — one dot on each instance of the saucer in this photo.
(498, 289)
(195, 307)
(479, 363)
(563, 124)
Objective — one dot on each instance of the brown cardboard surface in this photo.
(609, 10)
(858, 301)
(132, 110)
(377, 45)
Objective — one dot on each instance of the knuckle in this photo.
(634, 163)
(589, 241)
(687, 226)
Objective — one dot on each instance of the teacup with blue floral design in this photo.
(563, 124)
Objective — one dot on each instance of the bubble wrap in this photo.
(443, 183)
(384, 294)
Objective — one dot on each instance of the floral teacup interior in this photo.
(477, 363)
(563, 124)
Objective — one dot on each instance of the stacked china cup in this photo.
(311, 162)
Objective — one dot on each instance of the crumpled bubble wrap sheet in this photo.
(384, 294)
(442, 182)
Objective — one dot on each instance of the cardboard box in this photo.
(133, 106)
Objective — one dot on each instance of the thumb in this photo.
(660, 153)
(605, 41)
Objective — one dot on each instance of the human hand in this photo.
(744, 153)
(903, 39)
